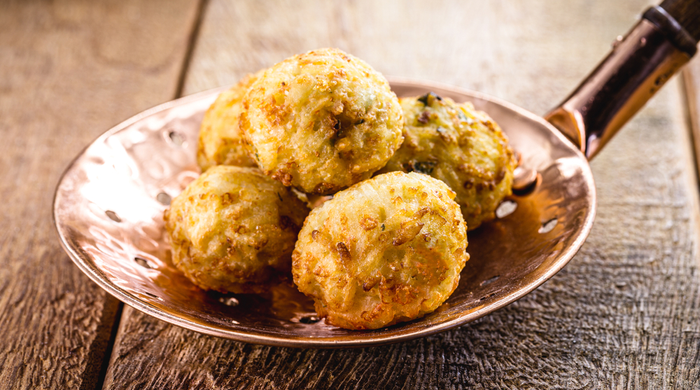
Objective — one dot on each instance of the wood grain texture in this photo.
(70, 70)
(686, 13)
(624, 314)
(691, 78)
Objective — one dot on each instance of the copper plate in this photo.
(109, 204)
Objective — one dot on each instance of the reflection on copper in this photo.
(548, 226)
(524, 179)
(568, 167)
(506, 208)
(509, 258)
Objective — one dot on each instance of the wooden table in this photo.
(624, 314)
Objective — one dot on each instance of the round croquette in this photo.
(220, 138)
(233, 230)
(462, 147)
(387, 250)
(321, 121)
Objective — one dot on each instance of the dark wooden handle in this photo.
(686, 13)
(679, 22)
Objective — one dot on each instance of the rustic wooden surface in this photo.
(624, 314)
(70, 70)
(691, 78)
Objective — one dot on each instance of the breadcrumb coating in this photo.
(321, 121)
(233, 230)
(220, 138)
(386, 250)
(462, 147)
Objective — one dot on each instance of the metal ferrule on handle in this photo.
(638, 66)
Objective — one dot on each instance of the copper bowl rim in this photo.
(96, 275)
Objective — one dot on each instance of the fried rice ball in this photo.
(220, 139)
(233, 230)
(461, 146)
(321, 121)
(387, 250)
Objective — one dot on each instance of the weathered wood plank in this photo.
(691, 78)
(70, 70)
(625, 313)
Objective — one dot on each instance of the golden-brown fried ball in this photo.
(233, 230)
(321, 121)
(461, 146)
(386, 250)
(220, 138)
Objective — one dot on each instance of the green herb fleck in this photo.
(424, 167)
(383, 227)
(425, 99)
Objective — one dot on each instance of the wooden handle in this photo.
(679, 22)
(686, 13)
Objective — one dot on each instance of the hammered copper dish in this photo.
(109, 204)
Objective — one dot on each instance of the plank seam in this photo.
(689, 76)
(101, 348)
(692, 117)
(191, 42)
(108, 358)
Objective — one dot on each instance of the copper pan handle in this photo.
(656, 48)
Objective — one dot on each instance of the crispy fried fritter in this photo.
(386, 250)
(461, 146)
(321, 121)
(233, 230)
(220, 139)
